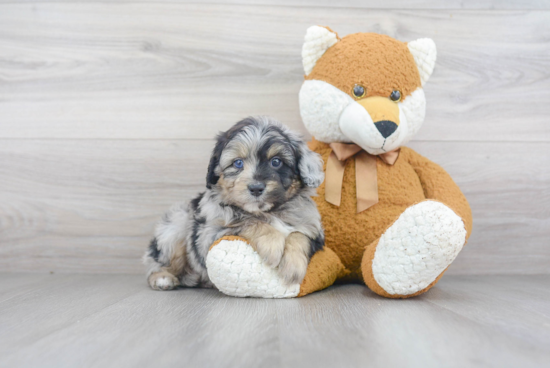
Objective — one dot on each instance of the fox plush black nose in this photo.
(386, 127)
(256, 189)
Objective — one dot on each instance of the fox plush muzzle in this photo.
(375, 123)
(383, 112)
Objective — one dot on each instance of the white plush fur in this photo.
(425, 54)
(423, 241)
(331, 115)
(413, 108)
(321, 105)
(316, 42)
(237, 270)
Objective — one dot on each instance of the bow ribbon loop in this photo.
(366, 181)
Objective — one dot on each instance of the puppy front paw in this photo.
(293, 266)
(271, 248)
(163, 281)
(267, 241)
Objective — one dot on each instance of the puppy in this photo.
(259, 185)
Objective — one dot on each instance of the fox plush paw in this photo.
(415, 250)
(236, 269)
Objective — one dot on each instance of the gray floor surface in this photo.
(64, 320)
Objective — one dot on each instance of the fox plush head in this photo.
(365, 88)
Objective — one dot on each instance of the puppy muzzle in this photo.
(256, 189)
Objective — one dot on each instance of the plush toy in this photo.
(393, 219)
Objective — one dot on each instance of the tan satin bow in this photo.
(366, 180)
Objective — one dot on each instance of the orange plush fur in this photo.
(379, 63)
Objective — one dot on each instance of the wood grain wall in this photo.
(108, 109)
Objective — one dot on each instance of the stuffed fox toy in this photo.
(393, 219)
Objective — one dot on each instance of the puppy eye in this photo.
(276, 162)
(359, 91)
(395, 96)
(238, 164)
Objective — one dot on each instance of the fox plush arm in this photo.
(438, 185)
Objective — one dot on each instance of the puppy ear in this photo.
(310, 166)
(222, 140)
(211, 177)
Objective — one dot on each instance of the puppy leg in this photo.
(166, 258)
(162, 280)
(167, 278)
(295, 259)
(267, 241)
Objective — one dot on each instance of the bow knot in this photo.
(366, 181)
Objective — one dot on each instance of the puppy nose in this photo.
(386, 127)
(256, 189)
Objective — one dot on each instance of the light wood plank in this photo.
(90, 206)
(388, 334)
(56, 303)
(191, 328)
(15, 284)
(402, 4)
(176, 70)
(523, 310)
(115, 320)
(367, 4)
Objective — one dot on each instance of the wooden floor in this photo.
(116, 321)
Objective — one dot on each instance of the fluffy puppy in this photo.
(259, 185)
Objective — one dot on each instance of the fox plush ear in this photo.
(424, 53)
(316, 42)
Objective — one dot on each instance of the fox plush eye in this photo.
(359, 91)
(395, 96)
(276, 162)
(238, 164)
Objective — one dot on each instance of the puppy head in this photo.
(259, 164)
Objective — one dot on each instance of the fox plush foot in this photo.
(236, 269)
(411, 256)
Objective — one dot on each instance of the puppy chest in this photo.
(281, 226)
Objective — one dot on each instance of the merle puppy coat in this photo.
(259, 185)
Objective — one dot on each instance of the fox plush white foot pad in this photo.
(236, 269)
(420, 245)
